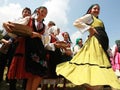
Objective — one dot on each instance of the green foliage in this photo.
(1, 36)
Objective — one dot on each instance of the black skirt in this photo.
(35, 56)
(55, 57)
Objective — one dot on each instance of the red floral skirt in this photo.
(17, 67)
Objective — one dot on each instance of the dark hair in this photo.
(35, 11)
(26, 8)
(51, 23)
(118, 44)
(68, 36)
(39, 8)
(89, 9)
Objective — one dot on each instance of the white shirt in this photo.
(83, 23)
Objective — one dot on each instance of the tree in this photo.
(1, 36)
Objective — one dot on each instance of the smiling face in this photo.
(80, 42)
(26, 12)
(66, 36)
(42, 13)
(95, 10)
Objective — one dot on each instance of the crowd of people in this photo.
(114, 54)
(41, 54)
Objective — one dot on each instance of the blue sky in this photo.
(64, 12)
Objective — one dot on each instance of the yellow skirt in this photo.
(89, 66)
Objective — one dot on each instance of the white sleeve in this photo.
(83, 23)
(47, 44)
(113, 50)
(23, 21)
(76, 49)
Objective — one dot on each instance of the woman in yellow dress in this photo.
(90, 66)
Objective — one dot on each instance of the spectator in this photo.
(78, 45)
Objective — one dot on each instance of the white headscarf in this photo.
(53, 29)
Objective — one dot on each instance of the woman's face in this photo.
(56, 32)
(42, 13)
(26, 13)
(80, 42)
(95, 10)
(66, 36)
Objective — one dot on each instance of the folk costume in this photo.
(53, 54)
(35, 52)
(29, 55)
(116, 58)
(65, 56)
(91, 64)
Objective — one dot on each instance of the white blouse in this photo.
(23, 21)
(83, 23)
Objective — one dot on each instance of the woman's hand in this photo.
(5, 41)
(68, 52)
(60, 44)
(35, 34)
(8, 26)
(92, 31)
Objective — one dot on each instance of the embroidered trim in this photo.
(91, 65)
